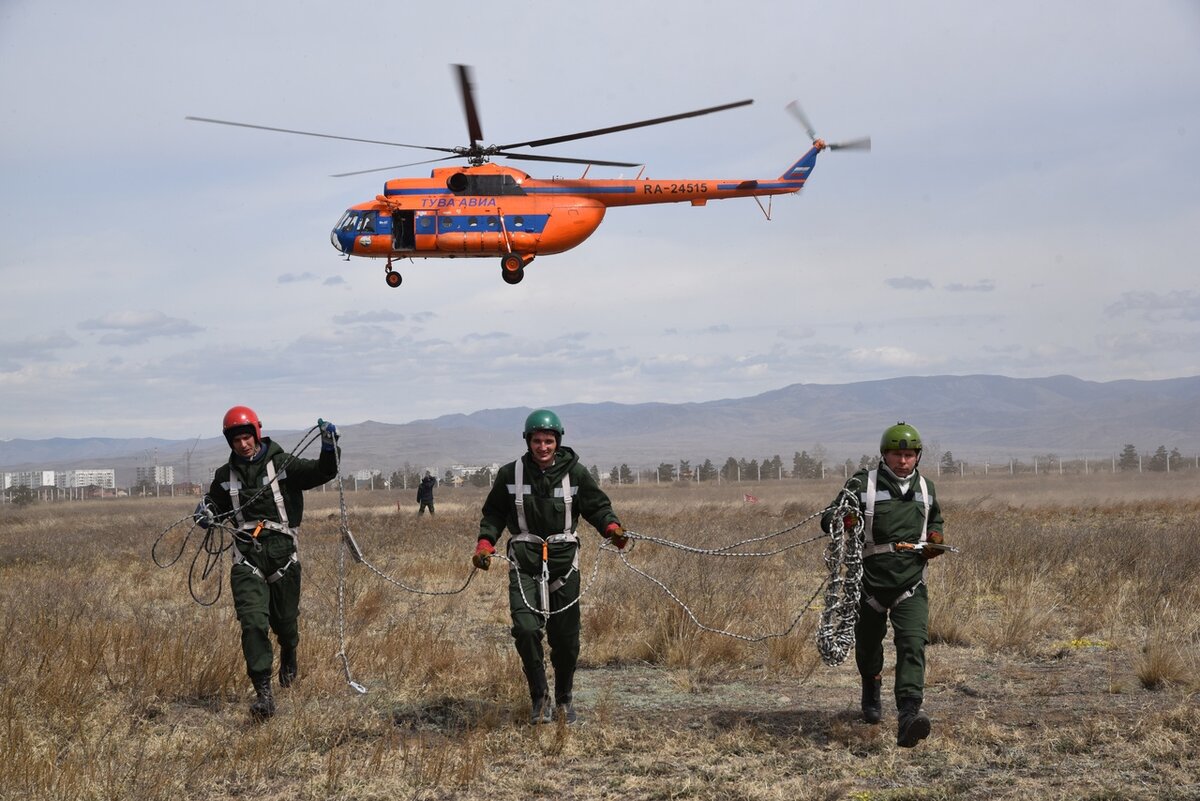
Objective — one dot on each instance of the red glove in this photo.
(483, 554)
(615, 534)
(936, 538)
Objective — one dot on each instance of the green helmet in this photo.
(901, 436)
(543, 420)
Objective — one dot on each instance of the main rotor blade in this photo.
(468, 99)
(601, 131)
(320, 135)
(393, 167)
(565, 160)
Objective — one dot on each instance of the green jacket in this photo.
(545, 509)
(295, 475)
(898, 518)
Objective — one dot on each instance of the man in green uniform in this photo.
(902, 524)
(259, 491)
(539, 499)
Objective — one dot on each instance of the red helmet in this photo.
(240, 417)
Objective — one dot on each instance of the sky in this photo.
(1029, 207)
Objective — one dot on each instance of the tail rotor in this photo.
(863, 143)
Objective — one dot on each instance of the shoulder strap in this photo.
(869, 506)
(520, 489)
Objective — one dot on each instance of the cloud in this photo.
(136, 328)
(1178, 305)
(986, 285)
(300, 278)
(796, 332)
(908, 282)
(889, 356)
(40, 348)
(356, 317)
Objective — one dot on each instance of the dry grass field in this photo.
(1064, 664)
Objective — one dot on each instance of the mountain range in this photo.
(975, 417)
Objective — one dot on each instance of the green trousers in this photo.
(561, 630)
(910, 627)
(263, 607)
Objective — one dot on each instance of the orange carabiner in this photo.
(257, 529)
(545, 551)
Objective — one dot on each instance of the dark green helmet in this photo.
(901, 436)
(543, 420)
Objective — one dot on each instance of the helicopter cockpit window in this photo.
(361, 221)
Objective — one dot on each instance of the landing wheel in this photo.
(393, 278)
(512, 268)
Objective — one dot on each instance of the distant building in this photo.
(33, 479)
(104, 477)
(462, 470)
(158, 474)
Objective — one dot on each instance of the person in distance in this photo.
(425, 494)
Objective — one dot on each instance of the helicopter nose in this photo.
(337, 245)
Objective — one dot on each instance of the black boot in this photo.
(872, 707)
(914, 725)
(541, 710)
(263, 706)
(287, 666)
(564, 682)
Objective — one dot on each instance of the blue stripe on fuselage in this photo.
(581, 190)
(482, 223)
(792, 185)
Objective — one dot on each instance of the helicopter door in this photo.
(403, 235)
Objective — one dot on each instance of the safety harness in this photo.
(872, 548)
(519, 490)
(255, 527)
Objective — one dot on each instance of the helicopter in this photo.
(488, 210)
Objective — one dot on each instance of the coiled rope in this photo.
(219, 536)
(842, 585)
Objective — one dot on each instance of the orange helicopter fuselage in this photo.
(494, 210)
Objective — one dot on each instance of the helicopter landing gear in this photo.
(512, 268)
(393, 278)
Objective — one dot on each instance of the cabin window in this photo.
(518, 221)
